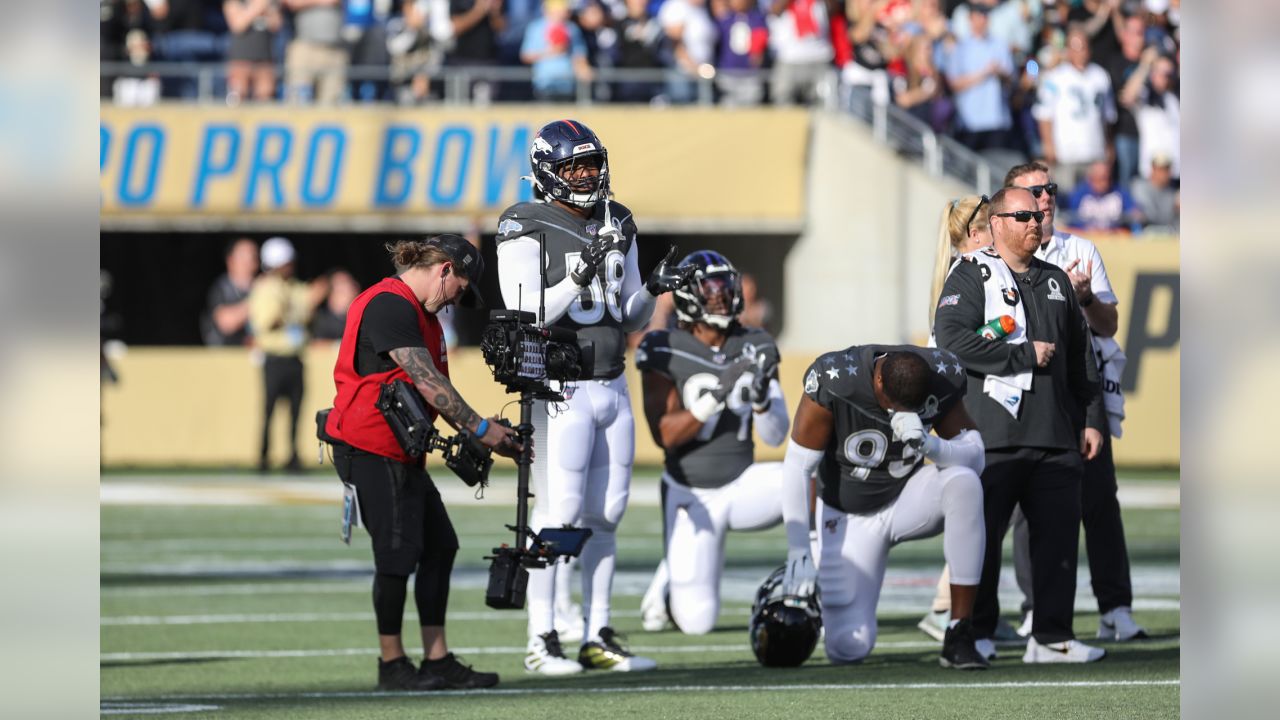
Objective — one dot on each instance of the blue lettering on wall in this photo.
(507, 165)
(155, 135)
(104, 141)
(395, 168)
(336, 139)
(268, 164)
(451, 135)
(214, 135)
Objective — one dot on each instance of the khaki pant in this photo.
(308, 64)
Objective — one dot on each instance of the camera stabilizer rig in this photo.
(525, 357)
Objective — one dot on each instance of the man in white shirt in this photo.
(1074, 108)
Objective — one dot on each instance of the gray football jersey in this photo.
(596, 314)
(724, 447)
(864, 468)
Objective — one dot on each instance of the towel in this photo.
(1111, 361)
(1002, 298)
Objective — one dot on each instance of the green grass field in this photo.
(259, 611)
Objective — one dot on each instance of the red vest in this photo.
(354, 419)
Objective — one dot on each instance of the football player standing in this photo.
(584, 447)
(864, 424)
(707, 383)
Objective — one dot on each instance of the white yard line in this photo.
(643, 689)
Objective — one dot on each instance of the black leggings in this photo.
(410, 532)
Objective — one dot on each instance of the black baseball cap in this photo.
(466, 260)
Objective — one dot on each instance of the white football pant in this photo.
(583, 451)
(697, 520)
(854, 549)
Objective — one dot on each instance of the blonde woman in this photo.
(965, 226)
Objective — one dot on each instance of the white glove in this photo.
(907, 428)
(801, 577)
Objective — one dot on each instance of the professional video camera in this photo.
(525, 357)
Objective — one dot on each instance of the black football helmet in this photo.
(713, 295)
(563, 146)
(784, 628)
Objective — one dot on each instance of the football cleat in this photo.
(934, 624)
(569, 622)
(986, 647)
(959, 650)
(1067, 651)
(1118, 624)
(607, 653)
(545, 656)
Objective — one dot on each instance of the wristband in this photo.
(482, 428)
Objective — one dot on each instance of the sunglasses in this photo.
(983, 201)
(1038, 190)
(1023, 215)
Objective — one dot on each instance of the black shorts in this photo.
(401, 509)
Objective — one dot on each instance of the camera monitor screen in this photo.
(564, 540)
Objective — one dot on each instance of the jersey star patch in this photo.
(833, 373)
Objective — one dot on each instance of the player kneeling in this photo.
(707, 384)
(864, 425)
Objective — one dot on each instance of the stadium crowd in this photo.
(1076, 82)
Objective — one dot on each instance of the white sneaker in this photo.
(1118, 624)
(986, 647)
(1024, 630)
(546, 657)
(934, 624)
(569, 623)
(1067, 651)
(653, 614)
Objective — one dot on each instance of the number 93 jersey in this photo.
(596, 314)
(724, 447)
(864, 468)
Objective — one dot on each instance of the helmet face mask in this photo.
(570, 164)
(784, 628)
(714, 294)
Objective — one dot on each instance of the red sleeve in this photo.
(840, 40)
(759, 41)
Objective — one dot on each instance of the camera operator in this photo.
(392, 333)
(586, 444)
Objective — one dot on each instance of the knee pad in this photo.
(961, 482)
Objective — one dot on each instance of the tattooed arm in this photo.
(435, 387)
(441, 395)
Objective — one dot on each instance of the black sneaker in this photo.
(958, 650)
(400, 674)
(456, 675)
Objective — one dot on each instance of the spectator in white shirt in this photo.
(1074, 108)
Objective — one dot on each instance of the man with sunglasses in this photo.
(1034, 396)
(1103, 525)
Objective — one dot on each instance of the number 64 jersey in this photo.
(864, 468)
(597, 313)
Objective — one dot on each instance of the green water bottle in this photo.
(998, 328)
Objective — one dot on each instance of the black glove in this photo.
(585, 271)
(667, 277)
(765, 369)
(729, 377)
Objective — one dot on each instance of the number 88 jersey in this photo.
(596, 314)
(864, 468)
